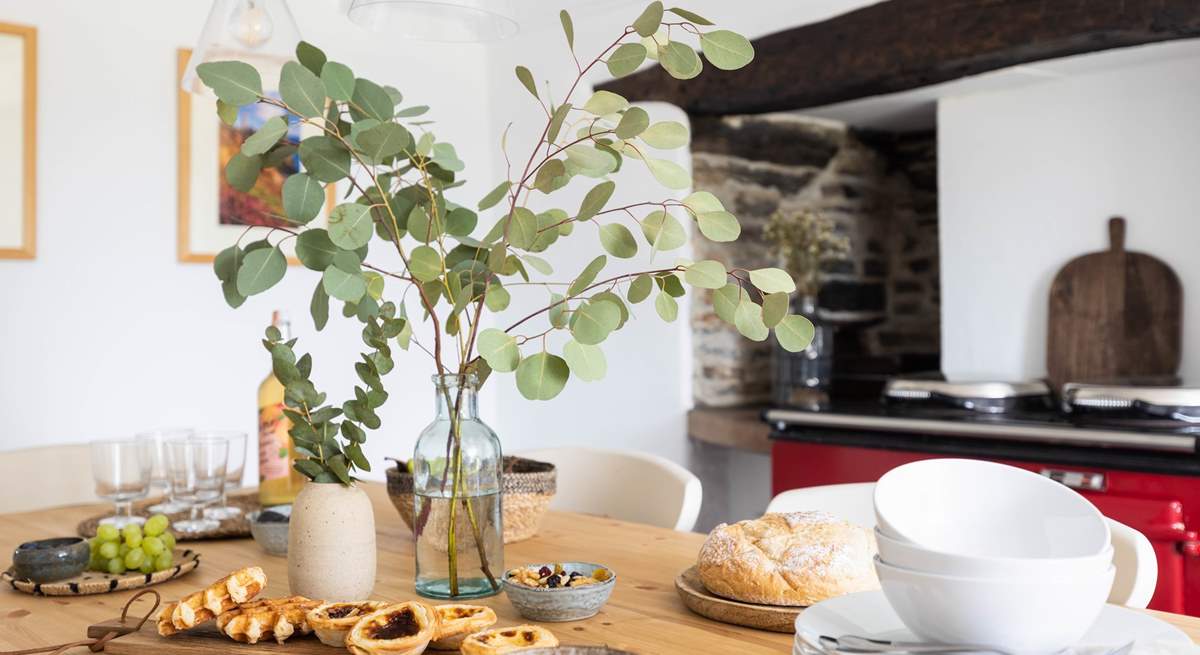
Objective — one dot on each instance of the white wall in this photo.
(1027, 180)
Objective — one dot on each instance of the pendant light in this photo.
(260, 32)
(448, 21)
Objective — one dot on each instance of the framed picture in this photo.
(212, 214)
(18, 141)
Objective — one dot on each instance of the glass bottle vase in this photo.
(803, 379)
(456, 490)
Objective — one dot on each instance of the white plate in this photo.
(868, 614)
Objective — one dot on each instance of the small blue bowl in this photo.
(561, 603)
(272, 536)
(48, 560)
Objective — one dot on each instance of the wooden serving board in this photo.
(776, 618)
(204, 640)
(1115, 316)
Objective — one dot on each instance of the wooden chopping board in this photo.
(700, 600)
(1114, 316)
(205, 640)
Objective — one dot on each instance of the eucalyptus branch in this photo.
(673, 269)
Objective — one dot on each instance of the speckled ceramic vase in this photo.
(331, 543)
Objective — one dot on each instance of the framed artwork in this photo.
(213, 214)
(18, 141)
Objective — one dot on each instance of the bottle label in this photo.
(274, 455)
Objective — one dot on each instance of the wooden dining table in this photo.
(644, 614)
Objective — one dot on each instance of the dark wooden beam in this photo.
(905, 44)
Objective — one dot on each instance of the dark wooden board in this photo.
(1114, 316)
(907, 44)
(205, 640)
(700, 600)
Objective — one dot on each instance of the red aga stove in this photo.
(1131, 450)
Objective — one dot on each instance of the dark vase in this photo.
(802, 379)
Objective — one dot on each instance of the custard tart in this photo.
(333, 621)
(508, 640)
(455, 622)
(401, 629)
(204, 605)
(267, 618)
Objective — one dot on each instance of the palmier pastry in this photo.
(204, 605)
(455, 622)
(508, 640)
(401, 629)
(277, 618)
(332, 621)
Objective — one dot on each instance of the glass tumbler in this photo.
(122, 471)
(154, 444)
(234, 467)
(197, 470)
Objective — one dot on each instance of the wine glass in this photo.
(234, 468)
(122, 470)
(154, 445)
(197, 470)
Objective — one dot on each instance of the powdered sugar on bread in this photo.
(795, 558)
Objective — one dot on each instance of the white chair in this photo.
(1137, 566)
(50, 476)
(625, 485)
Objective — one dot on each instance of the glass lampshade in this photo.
(260, 32)
(450, 21)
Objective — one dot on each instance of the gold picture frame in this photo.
(200, 231)
(18, 229)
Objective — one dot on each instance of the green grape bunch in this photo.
(145, 548)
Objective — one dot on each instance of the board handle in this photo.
(1116, 234)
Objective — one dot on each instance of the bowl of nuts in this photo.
(565, 591)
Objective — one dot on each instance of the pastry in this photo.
(455, 622)
(401, 629)
(277, 618)
(797, 559)
(204, 605)
(333, 621)
(508, 640)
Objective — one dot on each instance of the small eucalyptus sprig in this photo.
(801, 240)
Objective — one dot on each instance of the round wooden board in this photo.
(776, 618)
(95, 582)
(232, 528)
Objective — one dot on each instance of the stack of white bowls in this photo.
(974, 552)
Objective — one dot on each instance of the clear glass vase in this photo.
(803, 379)
(456, 489)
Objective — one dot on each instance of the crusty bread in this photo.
(797, 558)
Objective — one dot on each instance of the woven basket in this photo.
(528, 486)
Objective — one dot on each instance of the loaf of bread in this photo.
(797, 558)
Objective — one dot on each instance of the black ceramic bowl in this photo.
(51, 559)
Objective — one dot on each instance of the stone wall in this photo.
(880, 191)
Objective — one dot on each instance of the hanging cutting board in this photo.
(1114, 316)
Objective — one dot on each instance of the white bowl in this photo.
(1031, 616)
(917, 558)
(983, 509)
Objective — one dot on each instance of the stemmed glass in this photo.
(197, 471)
(154, 444)
(234, 467)
(122, 472)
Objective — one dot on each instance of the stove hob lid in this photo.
(1132, 405)
(987, 397)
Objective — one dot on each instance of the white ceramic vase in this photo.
(331, 543)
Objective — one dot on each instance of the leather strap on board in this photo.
(118, 628)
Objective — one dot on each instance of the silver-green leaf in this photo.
(772, 280)
(261, 269)
(542, 376)
(794, 333)
(499, 350)
(726, 50)
(301, 90)
(651, 17)
(350, 226)
(707, 274)
(626, 59)
(719, 226)
(234, 82)
(266, 136)
(303, 197)
(586, 362)
(618, 241)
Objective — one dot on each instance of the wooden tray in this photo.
(776, 618)
(94, 582)
(204, 640)
(229, 528)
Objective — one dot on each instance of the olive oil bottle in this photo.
(278, 481)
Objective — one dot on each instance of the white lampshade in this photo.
(259, 32)
(451, 21)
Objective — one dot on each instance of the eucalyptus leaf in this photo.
(266, 136)
(540, 265)
(242, 171)
(311, 56)
(666, 307)
(461, 221)
(568, 28)
(726, 300)
(315, 250)
(726, 50)
(592, 322)
(527, 81)
(522, 228)
(227, 262)
(497, 297)
(587, 276)
(549, 176)
(422, 226)
(495, 195)
(701, 202)
(557, 314)
(260, 270)
(590, 161)
(794, 333)
(234, 82)
(350, 225)
(614, 300)
(669, 174)
(371, 101)
(425, 263)
(707, 274)
(680, 61)
(651, 17)
(605, 102)
(775, 307)
(303, 197)
(626, 59)
(338, 80)
(748, 320)
(633, 122)
(618, 241)
(499, 349)
(586, 362)
(347, 287)
(663, 231)
(556, 121)
(542, 376)
(302, 90)
(690, 16)
(720, 226)
(226, 112)
(640, 288)
(383, 141)
(772, 280)
(319, 307)
(595, 200)
(410, 112)
(324, 158)
(666, 135)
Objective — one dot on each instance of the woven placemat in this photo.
(95, 582)
(229, 528)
